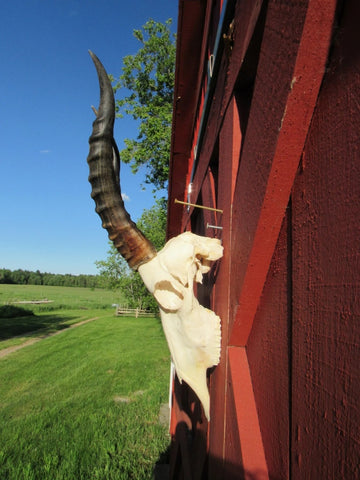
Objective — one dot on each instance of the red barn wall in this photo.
(326, 266)
(279, 154)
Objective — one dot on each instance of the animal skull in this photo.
(193, 332)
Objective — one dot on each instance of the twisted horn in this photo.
(104, 164)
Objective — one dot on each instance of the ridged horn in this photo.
(104, 164)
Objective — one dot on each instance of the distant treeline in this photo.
(25, 277)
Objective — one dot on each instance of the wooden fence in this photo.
(132, 312)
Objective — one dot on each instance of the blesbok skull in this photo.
(193, 333)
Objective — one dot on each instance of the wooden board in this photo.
(326, 278)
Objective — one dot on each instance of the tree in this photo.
(153, 223)
(114, 270)
(20, 277)
(35, 278)
(6, 276)
(149, 77)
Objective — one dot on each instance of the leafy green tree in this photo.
(25, 277)
(113, 269)
(153, 223)
(149, 77)
(6, 276)
(20, 277)
(35, 278)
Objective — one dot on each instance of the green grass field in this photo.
(67, 306)
(62, 297)
(83, 404)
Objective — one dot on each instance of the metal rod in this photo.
(213, 226)
(198, 206)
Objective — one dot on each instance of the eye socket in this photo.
(168, 297)
(166, 285)
(202, 263)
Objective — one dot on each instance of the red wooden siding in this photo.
(278, 152)
(326, 264)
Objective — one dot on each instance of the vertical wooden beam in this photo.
(303, 90)
(246, 15)
(229, 153)
(253, 456)
(192, 18)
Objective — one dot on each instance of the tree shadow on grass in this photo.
(17, 321)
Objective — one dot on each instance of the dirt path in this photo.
(31, 341)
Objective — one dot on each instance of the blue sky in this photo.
(48, 83)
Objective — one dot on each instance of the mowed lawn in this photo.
(84, 404)
(65, 306)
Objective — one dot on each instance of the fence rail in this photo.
(133, 312)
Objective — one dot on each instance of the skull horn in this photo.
(104, 164)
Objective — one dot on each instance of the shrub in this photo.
(12, 311)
